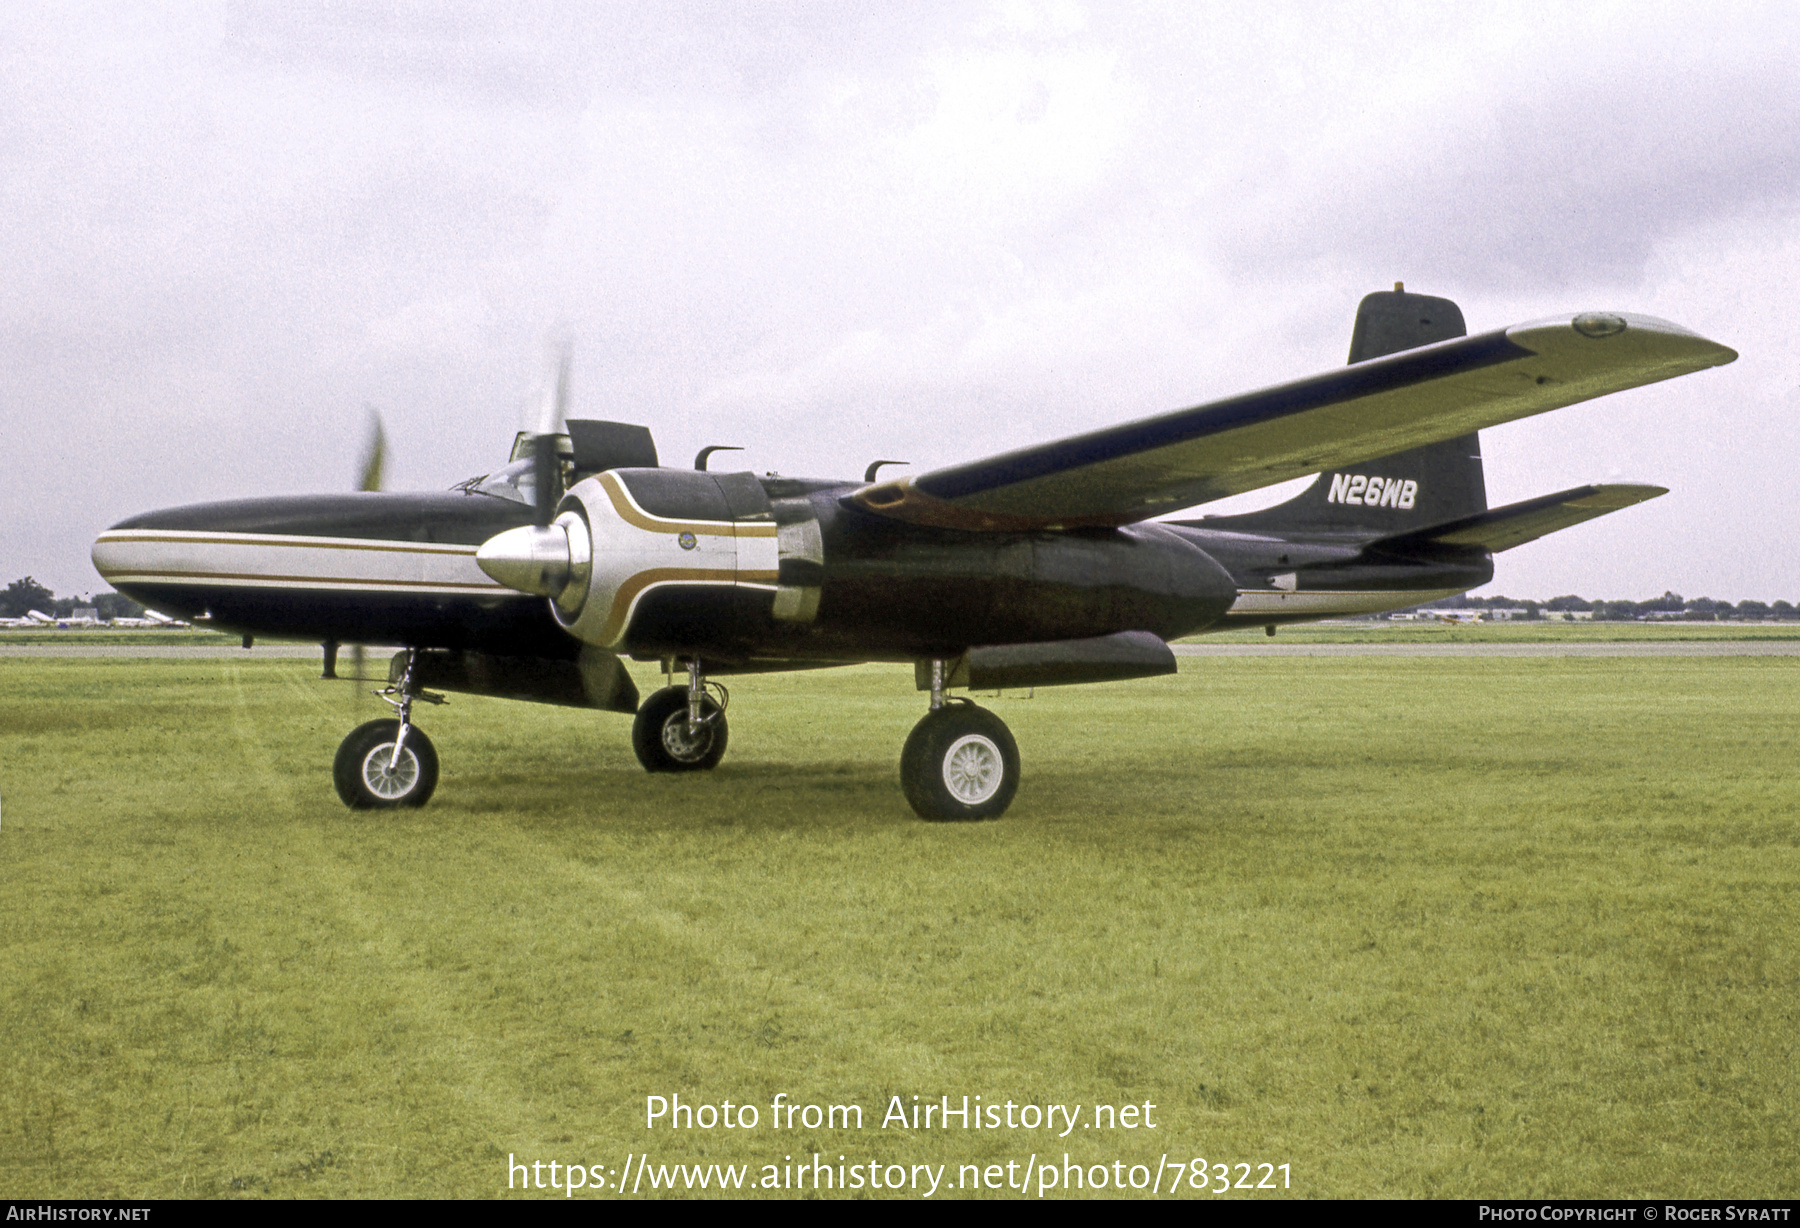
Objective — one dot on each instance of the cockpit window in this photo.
(516, 482)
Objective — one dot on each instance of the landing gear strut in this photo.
(960, 762)
(388, 763)
(682, 729)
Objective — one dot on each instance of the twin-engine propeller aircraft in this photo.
(1031, 568)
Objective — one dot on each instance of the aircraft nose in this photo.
(177, 544)
(121, 553)
(313, 541)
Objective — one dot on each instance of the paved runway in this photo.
(1626, 648)
(1652, 648)
(188, 651)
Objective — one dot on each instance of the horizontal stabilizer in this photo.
(1371, 409)
(1502, 528)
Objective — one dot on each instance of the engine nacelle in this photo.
(622, 533)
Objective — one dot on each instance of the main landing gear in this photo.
(960, 761)
(389, 763)
(682, 729)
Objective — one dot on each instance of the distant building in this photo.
(1564, 616)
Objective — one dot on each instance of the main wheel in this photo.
(661, 739)
(368, 778)
(960, 762)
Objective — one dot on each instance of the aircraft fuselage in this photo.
(743, 572)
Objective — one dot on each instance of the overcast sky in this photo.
(833, 232)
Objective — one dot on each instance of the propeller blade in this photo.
(553, 405)
(553, 412)
(374, 455)
(546, 476)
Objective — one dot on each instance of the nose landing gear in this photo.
(388, 763)
(960, 762)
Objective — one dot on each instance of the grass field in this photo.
(1433, 926)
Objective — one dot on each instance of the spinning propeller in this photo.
(541, 558)
(542, 435)
(535, 559)
(373, 466)
(371, 471)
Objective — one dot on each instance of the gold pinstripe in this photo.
(129, 537)
(627, 594)
(358, 582)
(635, 516)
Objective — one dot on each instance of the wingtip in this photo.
(1645, 336)
(1613, 495)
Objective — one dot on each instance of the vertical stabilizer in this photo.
(1389, 321)
(1424, 486)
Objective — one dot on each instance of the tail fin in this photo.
(1423, 486)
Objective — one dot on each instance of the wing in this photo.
(1371, 409)
(1502, 528)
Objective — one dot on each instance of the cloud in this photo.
(830, 232)
(1565, 163)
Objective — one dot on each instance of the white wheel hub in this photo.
(973, 769)
(390, 783)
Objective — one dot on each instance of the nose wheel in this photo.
(370, 776)
(389, 763)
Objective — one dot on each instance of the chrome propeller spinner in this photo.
(553, 560)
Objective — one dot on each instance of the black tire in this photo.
(659, 734)
(361, 775)
(960, 763)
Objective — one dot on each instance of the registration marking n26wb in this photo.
(1372, 492)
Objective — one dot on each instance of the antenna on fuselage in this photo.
(708, 450)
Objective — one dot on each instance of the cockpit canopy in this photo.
(516, 481)
(590, 446)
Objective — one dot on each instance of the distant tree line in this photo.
(1669, 605)
(27, 594)
(23, 596)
